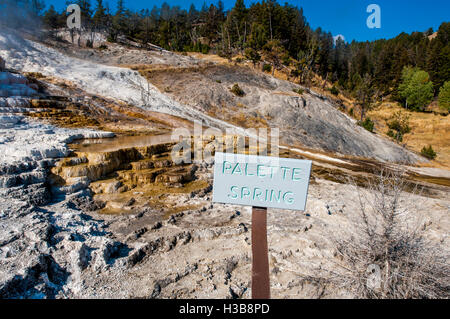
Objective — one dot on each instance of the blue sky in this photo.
(345, 17)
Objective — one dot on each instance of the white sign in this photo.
(261, 181)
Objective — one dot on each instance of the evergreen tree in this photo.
(364, 94)
(274, 52)
(50, 18)
(254, 31)
(117, 22)
(86, 12)
(444, 96)
(252, 55)
(99, 18)
(236, 23)
(438, 62)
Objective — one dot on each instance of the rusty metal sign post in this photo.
(260, 182)
(260, 254)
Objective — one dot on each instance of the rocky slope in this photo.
(119, 219)
(65, 250)
(308, 120)
(119, 83)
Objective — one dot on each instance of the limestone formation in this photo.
(96, 219)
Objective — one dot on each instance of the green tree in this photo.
(258, 36)
(252, 55)
(398, 126)
(364, 94)
(86, 12)
(50, 18)
(236, 24)
(274, 51)
(416, 89)
(100, 17)
(444, 96)
(118, 22)
(428, 152)
(438, 60)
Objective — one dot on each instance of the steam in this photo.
(20, 14)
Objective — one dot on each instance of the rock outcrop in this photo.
(308, 120)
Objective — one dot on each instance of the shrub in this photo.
(383, 253)
(267, 67)
(205, 49)
(428, 152)
(252, 55)
(368, 124)
(89, 44)
(299, 91)
(351, 112)
(444, 96)
(103, 47)
(334, 90)
(395, 135)
(236, 90)
(286, 59)
(111, 39)
(398, 126)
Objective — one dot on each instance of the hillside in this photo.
(93, 206)
(426, 129)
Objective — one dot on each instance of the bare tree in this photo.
(144, 88)
(364, 94)
(383, 255)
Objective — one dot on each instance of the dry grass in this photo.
(209, 57)
(426, 129)
(237, 115)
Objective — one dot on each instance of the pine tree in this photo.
(99, 18)
(236, 24)
(364, 94)
(274, 52)
(50, 18)
(252, 55)
(444, 96)
(86, 12)
(438, 60)
(118, 22)
(256, 28)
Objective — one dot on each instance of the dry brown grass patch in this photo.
(426, 129)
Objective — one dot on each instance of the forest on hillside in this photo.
(410, 68)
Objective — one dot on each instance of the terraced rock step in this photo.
(140, 177)
(125, 179)
(97, 165)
